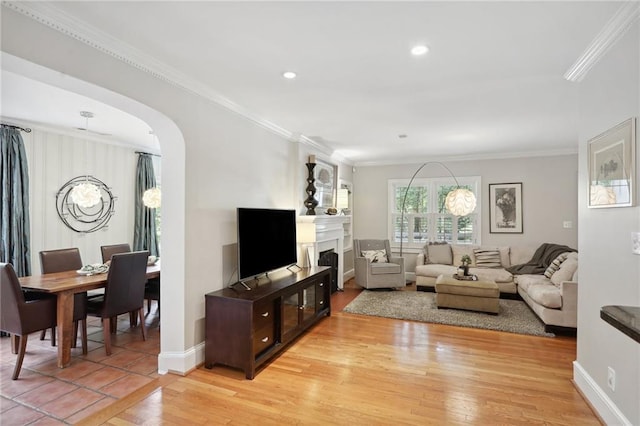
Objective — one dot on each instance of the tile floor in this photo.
(47, 395)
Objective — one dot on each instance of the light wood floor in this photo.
(361, 370)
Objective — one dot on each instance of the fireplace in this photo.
(330, 258)
(328, 235)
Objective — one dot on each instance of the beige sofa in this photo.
(553, 301)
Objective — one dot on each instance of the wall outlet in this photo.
(567, 224)
(635, 242)
(611, 378)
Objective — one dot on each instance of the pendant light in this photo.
(86, 194)
(152, 197)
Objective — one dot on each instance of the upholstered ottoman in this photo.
(482, 296)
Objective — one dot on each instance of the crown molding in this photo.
(47, 14)
(608, 36)
(450, 159)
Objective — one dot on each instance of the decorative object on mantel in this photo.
(310, 203)
(85, 194)
(342, 200)
(331, 211)
(85, 219)
(459, 202)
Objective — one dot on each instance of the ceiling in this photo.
(491, 85)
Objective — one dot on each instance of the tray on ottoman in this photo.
(482, 296)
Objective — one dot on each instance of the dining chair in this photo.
(110, 250)
(152, 288)
(124, 292)
(60, 260)
(21, 317)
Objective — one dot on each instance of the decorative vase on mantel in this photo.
(311, 203)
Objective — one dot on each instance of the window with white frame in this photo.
(425, 216)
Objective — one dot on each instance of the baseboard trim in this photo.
(181, 362)
(597, 398)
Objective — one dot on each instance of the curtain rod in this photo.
(148, 153)
(24, 129)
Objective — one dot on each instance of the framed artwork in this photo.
(326, 181)
(612, 167)
(505, 208)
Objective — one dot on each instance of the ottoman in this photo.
(482, 296)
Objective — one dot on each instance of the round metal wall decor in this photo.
(80, 219)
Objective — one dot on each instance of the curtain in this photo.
(14, 191)
(145, 236)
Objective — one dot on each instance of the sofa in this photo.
(551, 294)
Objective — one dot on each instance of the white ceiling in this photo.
(491, 85)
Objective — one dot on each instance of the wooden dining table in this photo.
(64, 285)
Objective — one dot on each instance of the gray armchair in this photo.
(377, 273)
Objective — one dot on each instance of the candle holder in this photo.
(310, 203)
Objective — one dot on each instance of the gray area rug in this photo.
(514, 317)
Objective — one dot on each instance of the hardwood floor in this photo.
(357, 370)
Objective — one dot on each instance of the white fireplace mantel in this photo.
(329, 234)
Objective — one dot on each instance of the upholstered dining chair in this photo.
(375, 266)
(21, 317)
(152, 288)
(124, 292)
(60, 260)
(110, 250)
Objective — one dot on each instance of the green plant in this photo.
(466, 260)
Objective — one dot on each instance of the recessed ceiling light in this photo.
(420, 49)
(289, 75)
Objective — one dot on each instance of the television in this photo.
(266, 240)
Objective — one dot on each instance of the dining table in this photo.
(64, 285)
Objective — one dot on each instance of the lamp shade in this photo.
(85, 195)
(460, 202)
(601, 195)
(306, 232)
(342, 200)
(152, 198)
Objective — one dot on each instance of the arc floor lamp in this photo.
(459, 202)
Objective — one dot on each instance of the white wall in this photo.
(53, 159)
(224, 160)
(549, 193)
(609, 272)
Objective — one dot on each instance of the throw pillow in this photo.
(439, 253)
(566, 271)
(460, 250)
(555, 265)
(375, 256)
(425, 250)
(487, 258)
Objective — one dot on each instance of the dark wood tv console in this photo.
(246, 328)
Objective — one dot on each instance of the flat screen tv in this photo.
(266, 240)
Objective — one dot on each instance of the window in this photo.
(425, 216)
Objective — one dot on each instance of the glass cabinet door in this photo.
(308, 302)
(290, 308)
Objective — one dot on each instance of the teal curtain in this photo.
(145, 236)
(14, 191)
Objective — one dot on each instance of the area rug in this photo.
(514, 315)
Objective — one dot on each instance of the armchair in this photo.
(382, 272)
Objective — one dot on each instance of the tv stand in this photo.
(248, 328)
